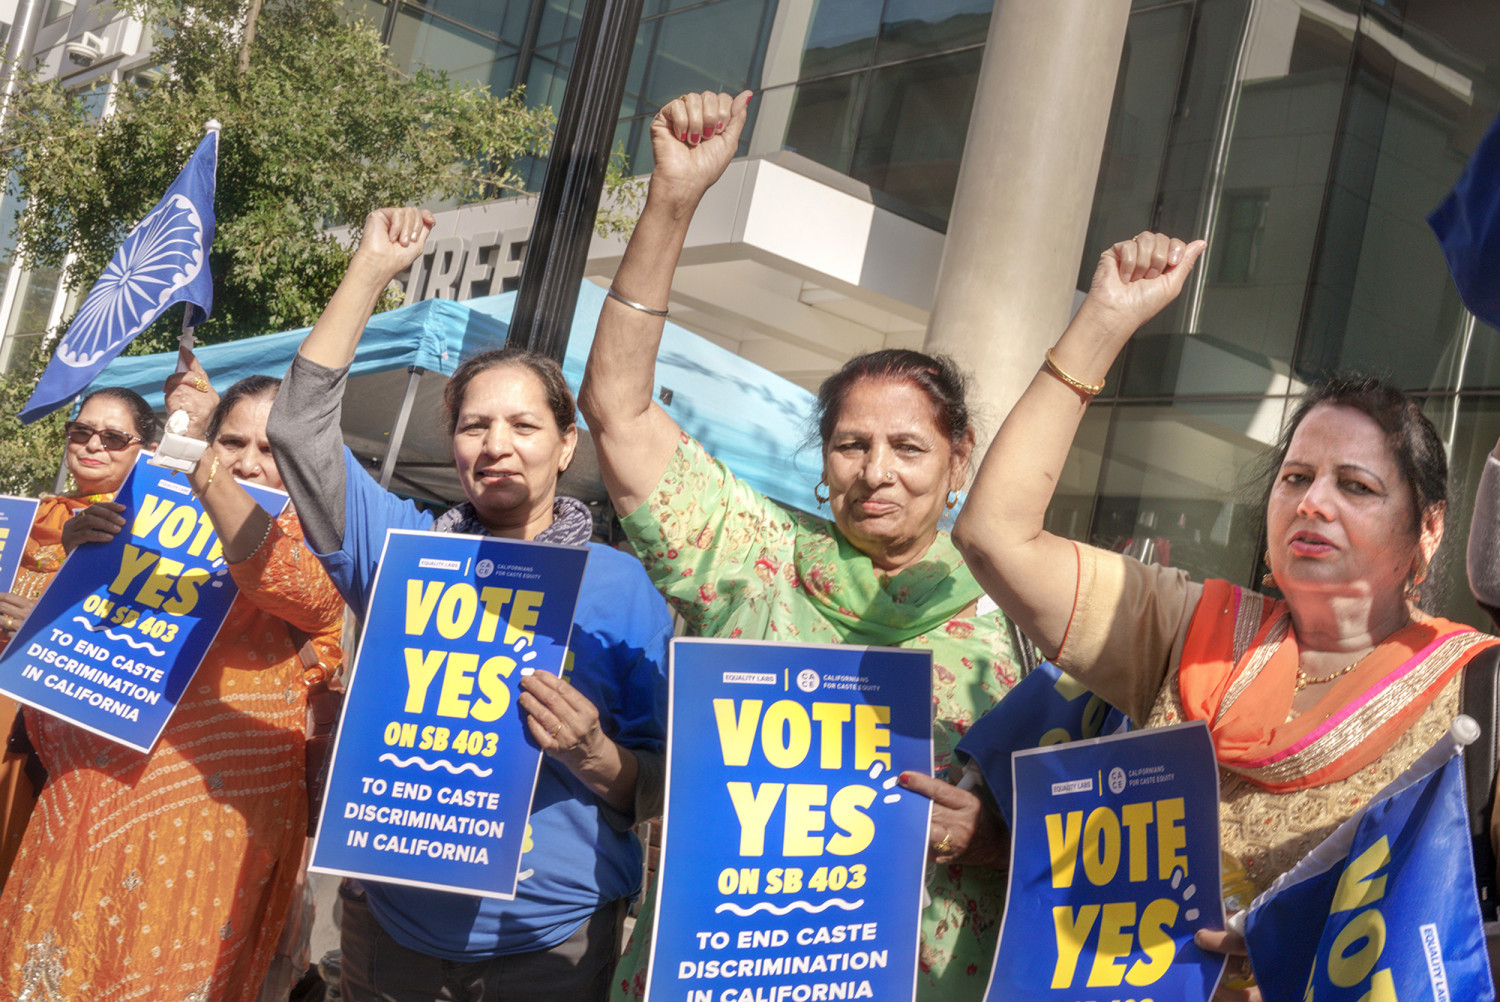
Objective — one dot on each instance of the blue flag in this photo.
(1467, 225)
(1386, 908)
(1046, 707)
(164, 260)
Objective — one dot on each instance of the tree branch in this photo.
(248, 40)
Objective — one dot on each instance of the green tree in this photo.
(318, 128)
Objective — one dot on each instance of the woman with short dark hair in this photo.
(896, 440)
(510, 417)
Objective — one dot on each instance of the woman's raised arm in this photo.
(391, 241)
(693, 140)
(1030, 573)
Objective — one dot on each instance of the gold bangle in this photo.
(1076, 384)
(211, 471)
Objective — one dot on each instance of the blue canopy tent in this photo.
(750, 418)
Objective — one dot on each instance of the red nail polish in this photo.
(902, 780)
(683, 137)
(695, 137)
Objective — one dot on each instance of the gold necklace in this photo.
(1304, 679)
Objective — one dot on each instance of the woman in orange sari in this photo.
(169, 875)
(1314, 701)
(102, 443)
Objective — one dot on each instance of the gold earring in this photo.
(822, 499)
(1413, 592)
(1268, 580)
(952, 501)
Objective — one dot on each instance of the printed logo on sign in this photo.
(1432, 947)
(433, 563)
(807, 680)
(1073, 786)
(750, 678)
(1117, 780)
(484, 568)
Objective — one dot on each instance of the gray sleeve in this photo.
(650, 792)
(309, 445)
(1484, 536)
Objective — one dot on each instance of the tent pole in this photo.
(398, 433)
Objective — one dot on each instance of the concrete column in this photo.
(1025, 191)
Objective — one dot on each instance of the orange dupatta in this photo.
(1239, 670)
(43, 554)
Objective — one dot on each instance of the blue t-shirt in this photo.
(577, 860)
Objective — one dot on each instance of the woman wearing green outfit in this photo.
(896, 449)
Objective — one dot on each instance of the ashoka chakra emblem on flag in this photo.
(160, 256)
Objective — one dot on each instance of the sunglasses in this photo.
(114, 441)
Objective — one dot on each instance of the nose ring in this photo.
(889, 477)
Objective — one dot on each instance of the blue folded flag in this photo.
(1386, 908)
(1467, 225)
(1045, 708)
(164, 260)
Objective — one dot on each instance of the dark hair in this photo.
(249, 388)
(559, 397)
(140, 411)
(935, 375)
(1413, 441)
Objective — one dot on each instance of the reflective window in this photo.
(58, 9)
(917, 27)
(1274, 180)
(1177, 485)
(715, 47)
(841, 36)
(560, 20)
(911, 135)
(823, 125)
(427, 38)
(1381, 298)
(1140, 124)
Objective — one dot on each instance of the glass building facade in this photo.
(1305, 139)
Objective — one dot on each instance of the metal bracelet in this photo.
(612, 294)
(1087, 389)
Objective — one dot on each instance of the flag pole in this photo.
(185, 340)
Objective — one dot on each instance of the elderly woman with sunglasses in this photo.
(102, 442)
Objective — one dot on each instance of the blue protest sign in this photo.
(114, 640)
(16, 515)
(1114, 866)
(792, 861)
(1047, 707)
(433, 768)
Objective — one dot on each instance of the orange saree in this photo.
(40, 561)
(168, 876)
(1239, 671)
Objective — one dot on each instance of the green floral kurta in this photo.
(733, 563)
